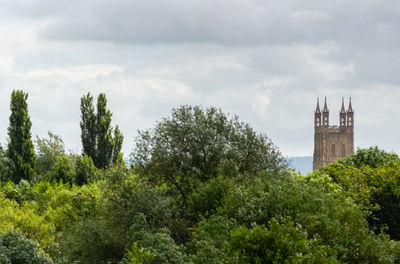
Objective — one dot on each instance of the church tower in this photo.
(332, 142)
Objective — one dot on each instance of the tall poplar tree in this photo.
(88, 126)
(99, 140)
(20, 149)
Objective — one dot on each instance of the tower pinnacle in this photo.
(350, 109)
(317, 111)
(325, 115)
(342, 110)
(325, 107)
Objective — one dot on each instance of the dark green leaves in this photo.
(20, 149)
(97, 137)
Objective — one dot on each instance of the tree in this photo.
(372, 157)
(283, 242)
(20, 147)
(48, 151)
(63, 169)
(290, 219)
(99, 140)
(371, 177)
(103, 133)
(118, 140)
(195, 144)
(85, 170)
(88, 126)
(16, 248)
(6, 166)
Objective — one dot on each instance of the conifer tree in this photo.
(97, 133)
(20, 149)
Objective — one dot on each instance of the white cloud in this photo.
(73, 74)
(261, 104)
(6, 64)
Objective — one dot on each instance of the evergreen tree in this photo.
(20, 147)
(97, 133)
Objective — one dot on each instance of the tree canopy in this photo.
(195, 144)
(204, 187)
(371, 176)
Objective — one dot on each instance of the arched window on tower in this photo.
(333, 150)
(343, 152)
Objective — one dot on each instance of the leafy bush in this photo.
(318, 211)
(85, 170)
(371, 177)
(16, 248)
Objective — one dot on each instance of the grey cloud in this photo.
(227, 22)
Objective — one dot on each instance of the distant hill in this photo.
(301, 164)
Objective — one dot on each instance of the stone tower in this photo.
(332, 142)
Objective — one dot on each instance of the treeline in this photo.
(202, 187)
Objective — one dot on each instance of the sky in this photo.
(266, 61)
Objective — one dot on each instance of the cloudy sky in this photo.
(264, 60)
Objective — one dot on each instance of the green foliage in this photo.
(319, 212)
(281, 243)
(160, 244)
(48, 150)
(97, 137)
(16, 248)
(196, 144)
(91, 241)
(20, 192)
(20, 149)
(103, 134)
(209, 196)
(63, 170)
(68, 207)
(371, 176)
(6, 166)
(88, 126)
(209, 240)
(372, 157)
(125, 196)
(384, 188)
(85, 170)
(25, 219)
(138, 255)
(117, 146)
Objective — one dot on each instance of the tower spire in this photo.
(350, 115)
(325, 115)
(350, 109)
(317, 110)
(342, 110)
(325, 107)
(317, 116)
(342, 115)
